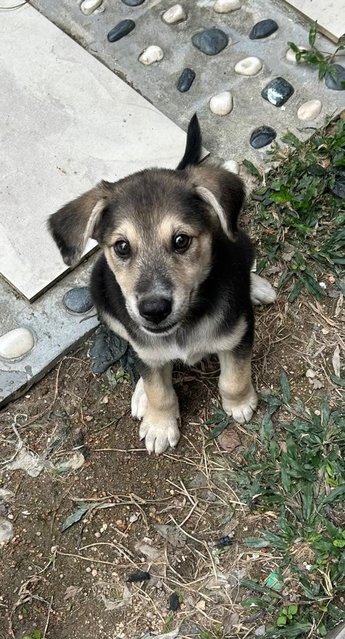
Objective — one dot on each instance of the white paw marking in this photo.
(241, 411)
(139, 400)
(158, 437)
(261, 290)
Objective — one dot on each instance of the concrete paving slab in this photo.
(226, 137)
(68, 122)
(330, 16)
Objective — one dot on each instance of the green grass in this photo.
(298, 221)
(296, 468)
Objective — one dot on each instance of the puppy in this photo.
(174, 279)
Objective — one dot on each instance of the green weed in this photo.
(296, 467)
(301, 221)
(322, 61)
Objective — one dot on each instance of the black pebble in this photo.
(262, 136)
(278, 91)
(263, 29)
(133, 3)
(78, 300)
(122, 29)
(336, 79)
(224, 542)
(136, 577)
(211, 41)
(174, 602)
(185, 80)
(338, 187)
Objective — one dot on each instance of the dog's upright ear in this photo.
(73, 224)
(223, 191)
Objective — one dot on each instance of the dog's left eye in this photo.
(122, 248)
(181, 242)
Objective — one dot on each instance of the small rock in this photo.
(262, 136)
(6, 496)
(229, 440)
(232, 166)
(225, 6)
(260, 631)
(122, 29)
(335, 78)
(16, 343)
(211, 41)
(230, 620)
(201, 604)
(308, 111)
(6, 530)
(174, 14)
(89, 6)
(151, 54)
(278, 91)
(221, 104)
(248, 66)
(78, 300)
(137, 577)
(263, 29)
(133, 3)
(173, 535)
(74, 463)
(174, 602)
(291, 55)
(186, 80)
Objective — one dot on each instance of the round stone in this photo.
(278, 91)
(78, 300)
(133, 3)
(335, 77)
(174, 14)
(308, 111)
(89, 6)
(151, 54)
(185, 80)
(16, 343)
(211, 41)
(225, 6)
(263, 29)
(262, 136)
(232, 166)
(221, 104)
(6, 530)
(122, 29)
(291, 55)
(248, 66)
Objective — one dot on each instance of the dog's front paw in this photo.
(158, 437)
(139, 400)
(242, 410)
(261, 291)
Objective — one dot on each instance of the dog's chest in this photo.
(202, 340)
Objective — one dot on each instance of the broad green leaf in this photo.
(285, 387)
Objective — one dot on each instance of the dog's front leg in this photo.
(239, 398)
(155, 402)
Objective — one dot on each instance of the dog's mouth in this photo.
(161, 330)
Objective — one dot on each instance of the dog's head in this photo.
(157, 231)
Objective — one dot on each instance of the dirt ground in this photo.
(160, 515)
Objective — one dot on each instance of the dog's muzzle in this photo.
(155, 310)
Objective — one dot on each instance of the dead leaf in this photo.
(74, 463)
(173, 535)
(71, 592)
(149, 551)
(229, 440)
(336, 361)
(316, 383)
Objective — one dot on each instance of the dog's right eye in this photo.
(122, 248)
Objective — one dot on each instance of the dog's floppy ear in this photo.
(223, 191)
(73, 224)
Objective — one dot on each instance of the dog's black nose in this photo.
(155, 309)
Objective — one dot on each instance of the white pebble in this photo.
(309, 110)
(151, 54)
(291, 55)
(89, 6)
(221, 104)
(16, 343)
(6, 530)
(174, 14)
(225, 6)
(248, 66)
(232, 166)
